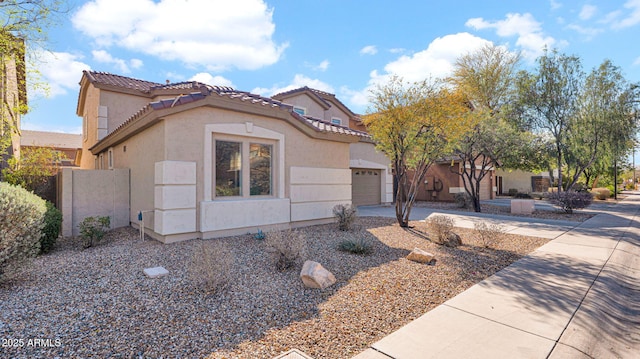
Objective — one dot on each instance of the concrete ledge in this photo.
(522, 206)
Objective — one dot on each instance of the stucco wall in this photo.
(517, 179)
(139, 154)
(87, 193)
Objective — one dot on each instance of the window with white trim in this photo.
(239, 162)
(300, 110)
(336, 121)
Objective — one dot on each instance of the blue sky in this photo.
(342, 47)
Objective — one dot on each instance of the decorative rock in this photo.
(420, 256)
(453, 240)
(314, 275)
(155, 272)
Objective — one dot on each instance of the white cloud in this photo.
(297, 82)
(627, 18)
(528, 31)
(436, 61)
(397, 50)
(555, 5)
(636, 62)
(216, 34)
(369, 50)
(587, 12)
(61, 71)
(106, 58)
(209, 79)
(323, 66)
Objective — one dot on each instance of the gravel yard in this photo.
(97, 302)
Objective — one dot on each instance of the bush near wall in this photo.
(22, 216)
(51, 230)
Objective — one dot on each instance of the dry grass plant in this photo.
(211, 266)
(441, 226)
(489, 234)
(345, 215)
(287, 248)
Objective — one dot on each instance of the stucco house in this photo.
(68, 144)
(13, 93)
(208, 161)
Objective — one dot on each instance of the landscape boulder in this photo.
(453, 240)
(314, 275)
(420, 256)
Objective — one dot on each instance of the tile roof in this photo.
(204, 91)
(50, 139)
(317, 94)
(121, 81)
(324, 126)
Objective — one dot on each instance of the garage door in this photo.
(365, 186)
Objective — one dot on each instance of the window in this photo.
(260, 172)
(232, 169)
(228, 168)
(336, 121)
(110, 158)
(300, 110)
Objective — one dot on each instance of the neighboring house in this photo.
(13, 96)
(371, 180)
(522, 181)
(68, 144)
(441, 182)
(207, 161)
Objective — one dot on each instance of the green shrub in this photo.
(463, 200)
(570, 200)
(513, 192)
(287, 248)
(345, 215)
(522, 195)
(601, 193)
(51, 230)
(357, 243)
(92, 229)
(21, 221)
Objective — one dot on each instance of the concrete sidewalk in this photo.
(577, 296)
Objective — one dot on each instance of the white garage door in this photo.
(365, 186)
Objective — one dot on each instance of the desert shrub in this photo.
(21, 221)
(286, 247)
(463, 200)
(489, 234)
(210, 267)
(522, 195)
(570, 200)
(441, 226)
(601, 193)
(356, 243)
(51, 230)
(345, 215)
(92, 229)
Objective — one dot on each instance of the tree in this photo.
(486, 79)
(24, 23)
(414, 124)
(549, 99)
(604, 126)
(34, 167)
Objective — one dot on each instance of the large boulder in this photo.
(453, 240)
(420, 256)
(314, 275)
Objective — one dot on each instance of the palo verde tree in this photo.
(603, 129)
(485, 77)
(414, 125)
(23, 27)
(549, 99)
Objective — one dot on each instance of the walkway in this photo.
(577, 296)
